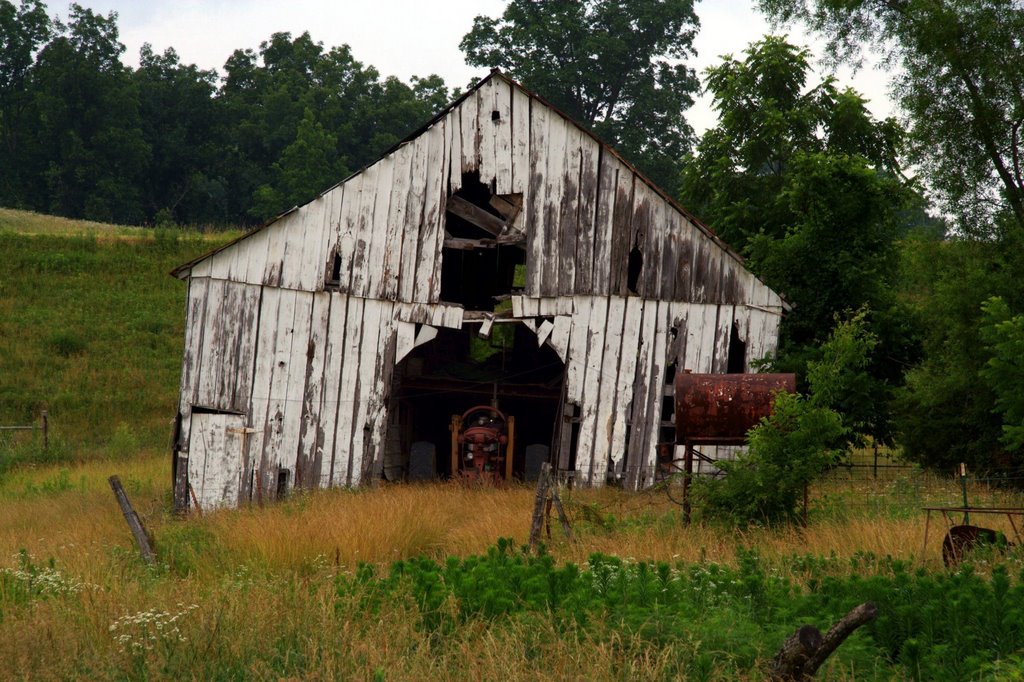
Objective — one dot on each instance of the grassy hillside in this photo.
(91, 330)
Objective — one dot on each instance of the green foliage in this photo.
(930, 626)
(806, 182)
(945, 412)
(960, 82)
(1003, 333)
(612, 65)
(787, 451)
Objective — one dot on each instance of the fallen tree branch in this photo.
(807, 649)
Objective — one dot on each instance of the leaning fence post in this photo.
(134, 522)
(543, 482)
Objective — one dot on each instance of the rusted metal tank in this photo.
(721, 408)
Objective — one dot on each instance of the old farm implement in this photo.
(482, 443)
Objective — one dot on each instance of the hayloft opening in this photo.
(458, 371)
(482, 248)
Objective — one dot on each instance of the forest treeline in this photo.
(898, 242)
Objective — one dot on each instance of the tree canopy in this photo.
(612, 65)
(960, 84)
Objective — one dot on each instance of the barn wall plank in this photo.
(590, 155)
(277, 391)
(362, 262)
(502, 132)
(568, 211)
(413, 218)
(622, 233)
(309, 459)
(377, 240)
(195, 313)
(655, 390)
(348, 396)
(642, 411)
(554, 195)
(394, 228)
(723, 332)
(292, 399)
(608, 180)
(211, 354)
(520, 152)
(606, 407)
(453, 142)
(540, 118)
(485, 132)
(630, 342)
(428, 260)
(559, 339)
(592, 380)
(366, 385)
(470, 139)
(329, 394)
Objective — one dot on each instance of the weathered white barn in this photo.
(320, 346)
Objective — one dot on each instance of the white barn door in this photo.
(215, 459)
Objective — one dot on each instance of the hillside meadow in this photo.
(410, 582)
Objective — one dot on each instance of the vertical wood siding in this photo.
(309, 366)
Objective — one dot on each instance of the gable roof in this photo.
(184, 270)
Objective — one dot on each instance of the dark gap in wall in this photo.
(737, 352)
(636, 264)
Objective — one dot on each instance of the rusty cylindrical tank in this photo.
(723, 407)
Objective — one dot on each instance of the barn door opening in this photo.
(216, 466)
(459, 370)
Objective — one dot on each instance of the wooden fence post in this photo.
(46, 430)
(543, 481)
(134, 522)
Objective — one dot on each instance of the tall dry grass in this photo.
(262, 580)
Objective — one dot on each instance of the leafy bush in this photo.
(787, 451)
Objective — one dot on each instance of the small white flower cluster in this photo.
(139, 632)
(43, 581)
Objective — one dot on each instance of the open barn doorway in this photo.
(459, 370)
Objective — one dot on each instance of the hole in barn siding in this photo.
(282, 483)
(737, 352)
(495, 115)
(636, 264)
(335, 279)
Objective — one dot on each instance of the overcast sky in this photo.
(402, 37)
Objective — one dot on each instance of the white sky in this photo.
(403, 37)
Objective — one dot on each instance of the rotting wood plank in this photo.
(377, 241)
(502, 131)
(254, 247)
(211, 350)
(683, 261)
(348, 225)
(622, 233)
(247, 331)
(426, 334)
(276, 244)
(309, 459)
(373, 465)
(575, 365)
(655, 388)
(414, 216)
(348, 395)
(553, 196)
(723, 333)
(488, 222)
(586, 215)
(608, 176)
(568, 214)
(643, 238)
(304, 269)
(593, 379)
(195, 308)
(655, 244)
(521, 105)
(362, 261)
(428, 261)
(277, 395)
(453, 141)
(536, 196)
(485, 132)
(366, 386)
(670, 247)
(401, 183)
(559, 338)
(292, 399)
(470, 138)
(630, 342)
(405, 339)
(259, 401)
(330, 393)
(636, 456)
(329, 233)
(604, 426)
(544, 331)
